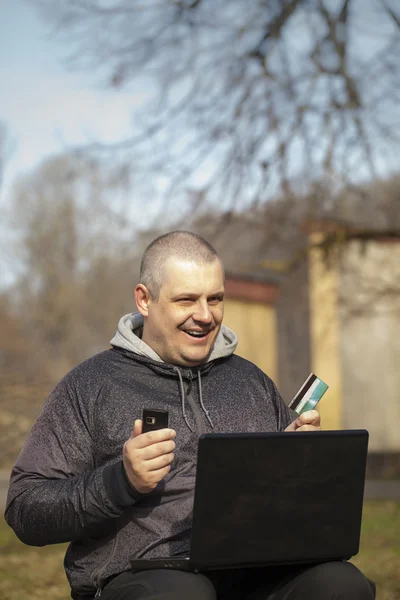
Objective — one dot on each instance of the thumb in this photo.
(137, 428)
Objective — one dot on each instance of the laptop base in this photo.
(181, 563)
(184, 564)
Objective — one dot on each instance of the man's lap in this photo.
(337, 579)
(160, 584)
(280, 583)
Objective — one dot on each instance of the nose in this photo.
(202, 314)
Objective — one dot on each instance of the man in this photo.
(84, 477)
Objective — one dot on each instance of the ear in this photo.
(142, 299)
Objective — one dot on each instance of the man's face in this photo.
(181, 326)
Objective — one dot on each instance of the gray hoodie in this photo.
(69, 484)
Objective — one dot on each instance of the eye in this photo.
(214, 300)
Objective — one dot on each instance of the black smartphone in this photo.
(154, 419)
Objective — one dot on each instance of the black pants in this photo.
(328, 581)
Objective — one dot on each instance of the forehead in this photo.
(186, 276)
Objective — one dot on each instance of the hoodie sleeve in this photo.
(284, 415)
(56, 493)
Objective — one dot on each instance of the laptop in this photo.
(265, 499)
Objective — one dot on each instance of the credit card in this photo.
(309, 394)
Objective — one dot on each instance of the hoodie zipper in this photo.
(96, 575)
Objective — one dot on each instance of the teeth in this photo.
(196, 333)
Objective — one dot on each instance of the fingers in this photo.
(148, 453)
(143, 440)
(148, 456)
(160, 462)
(310, 417)
(307, 428)
(147, 482)
(307, 421)
(137, 428)
(146, 474)
(154, 450)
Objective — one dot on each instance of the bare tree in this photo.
(243, 100)
(76, 261)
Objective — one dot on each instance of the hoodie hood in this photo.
(129, 333)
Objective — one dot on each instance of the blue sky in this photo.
(44, 107)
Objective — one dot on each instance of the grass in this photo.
(379, 556)
(28, 572)
(37, 573)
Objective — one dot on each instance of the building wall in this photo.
(255, 324)
(370, 341)
(325, 334)
(355, 336)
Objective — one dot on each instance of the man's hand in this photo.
(147, 457)
(307, 421)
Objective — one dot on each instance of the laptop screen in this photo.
(278, 498)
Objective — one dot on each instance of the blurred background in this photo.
(272, 128)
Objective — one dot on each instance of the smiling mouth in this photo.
(198, 334)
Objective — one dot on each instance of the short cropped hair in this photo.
(179, 244)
